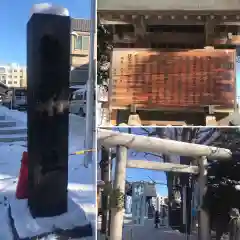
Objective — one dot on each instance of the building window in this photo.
(78, 42)
(85, 42)
(15, 82)
(81, 42)
(9, 82)
(15, 70)
(2, 69)
(3, 77)
(9, 76)
(15, 76)
(4, 81)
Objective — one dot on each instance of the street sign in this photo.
(138, 203)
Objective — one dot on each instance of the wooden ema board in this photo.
(188, 78)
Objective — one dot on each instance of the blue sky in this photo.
(13, 19)
(14, 16)
(134, 174)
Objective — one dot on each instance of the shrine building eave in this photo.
(119, 17)
(176, 5)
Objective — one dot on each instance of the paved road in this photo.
(148, 232)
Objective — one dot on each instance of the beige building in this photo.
(80, 42)
(23, 82)
(13, 75)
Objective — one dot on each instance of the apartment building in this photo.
(158, 201)
(13, 75)
(80, 43)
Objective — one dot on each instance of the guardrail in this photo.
(125, 141)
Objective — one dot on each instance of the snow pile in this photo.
(102, 116)
(102, 94)
(5, 231)
(19, 117)
(81, 183)
(48, 8)
(9, 165)
(73, 218)
(76, 126)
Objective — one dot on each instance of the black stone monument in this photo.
(48, 68)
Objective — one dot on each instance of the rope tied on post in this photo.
(117, 199)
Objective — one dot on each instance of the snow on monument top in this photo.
(49, 8)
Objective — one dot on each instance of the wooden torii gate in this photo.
(125, 141)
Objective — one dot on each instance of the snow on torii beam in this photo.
(109, 138)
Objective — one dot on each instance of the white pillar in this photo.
(117, 216)
(90, 129)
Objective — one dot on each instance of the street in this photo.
(148, 231)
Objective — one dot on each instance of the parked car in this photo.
(15, 98)
(20, 98)
(78, 102)
(7, 99)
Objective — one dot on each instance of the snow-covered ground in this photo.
(81, 180)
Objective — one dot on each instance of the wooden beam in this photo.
(165, 37)
(166, 167)
(209, 31)
(162, 123)
(142, 143)
(203, 6)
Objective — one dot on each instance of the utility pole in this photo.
(91, 103)
(105, 176)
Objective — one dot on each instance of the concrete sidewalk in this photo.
(149, 232)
